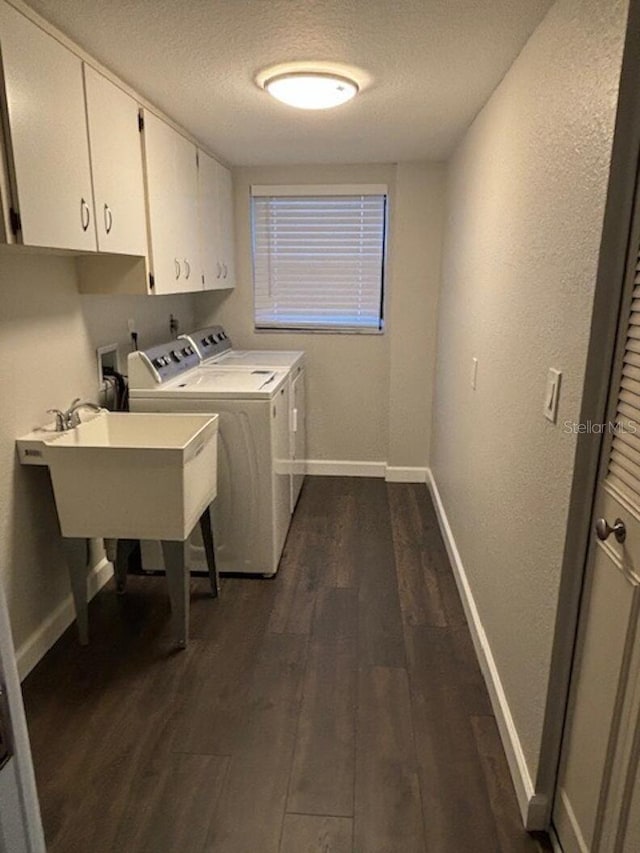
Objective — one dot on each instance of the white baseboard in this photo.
(38, 644)
(405, 475)
(360, 468)
(344, 468)
(533, 807)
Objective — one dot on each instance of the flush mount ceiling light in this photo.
(311, 90)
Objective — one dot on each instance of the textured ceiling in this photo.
(432, 64)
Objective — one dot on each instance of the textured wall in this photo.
(526, 193)
(349, 376)
(416, 238)
(48, 335)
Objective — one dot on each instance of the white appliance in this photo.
(251, 514)
(215, 349)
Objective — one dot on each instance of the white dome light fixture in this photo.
(311, 90)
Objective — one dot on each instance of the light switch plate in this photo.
(474, 373)
(552, 395)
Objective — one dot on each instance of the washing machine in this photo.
(215, 349)
(251, 514)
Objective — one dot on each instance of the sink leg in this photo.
(177, 570)
(121, 562)
(111, 549)
(118, 558)
(77, 555)
(206, 530)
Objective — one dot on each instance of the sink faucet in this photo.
(70, 418)
(73, 412)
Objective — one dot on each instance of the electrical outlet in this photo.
(131, 326)
(552, 395)
(474, 373)
(174, 326)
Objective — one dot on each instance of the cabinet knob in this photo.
(85, 214)
(108, 219)
(177, 263)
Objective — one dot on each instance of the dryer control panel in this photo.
(209, 342)
(151, 367)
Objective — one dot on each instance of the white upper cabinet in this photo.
(208, 215)
(116, 161)
(48, 149)
(171, 175)
(216, 224)
(186, 194)
(77, 173)
(227, 230)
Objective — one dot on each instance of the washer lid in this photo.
(258, 358)
(260, 384)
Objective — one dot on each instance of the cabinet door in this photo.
(226, 225)
(49, 159)
(281, 476)
(171, 179)
(159, 164)
(187, 231)
(209, 222)
(298, 436)
(116, 162)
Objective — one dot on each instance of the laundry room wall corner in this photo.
(353, 381)
(416, 237)
(48, 339)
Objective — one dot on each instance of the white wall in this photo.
(525, 203)
(354, 380)
(416, 240)
(48, 336)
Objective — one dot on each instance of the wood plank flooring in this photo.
(337, 708)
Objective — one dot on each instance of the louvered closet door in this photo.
(597, 806)
(624, 462)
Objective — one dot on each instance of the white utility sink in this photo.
(129, 475)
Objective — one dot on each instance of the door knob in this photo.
(604, 529)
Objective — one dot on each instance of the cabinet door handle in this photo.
(188, 268)
(85, 215)
(225, 270)
(108, 219)
(177, 263)
(218, 269)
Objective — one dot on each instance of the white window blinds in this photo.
(318, 257)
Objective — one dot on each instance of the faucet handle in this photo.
(60, 419)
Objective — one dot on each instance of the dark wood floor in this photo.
(336, 708)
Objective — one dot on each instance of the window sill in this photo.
(296, 330)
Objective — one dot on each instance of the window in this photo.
(318, 257)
